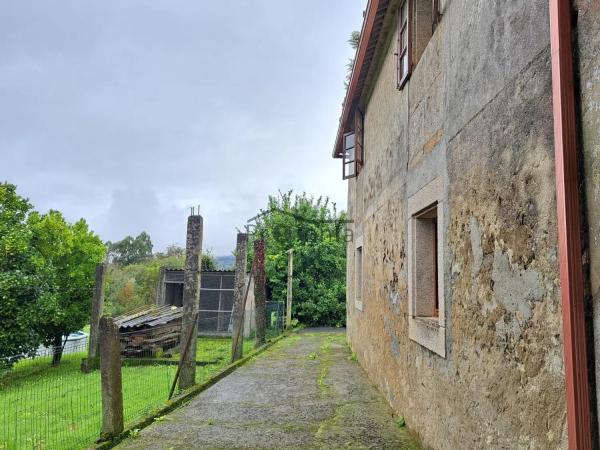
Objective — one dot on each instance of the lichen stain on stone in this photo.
(515, 288)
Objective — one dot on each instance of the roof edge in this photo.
(359, 59)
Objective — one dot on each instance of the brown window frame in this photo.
(425, 214)
(358, 158)
(435, 13)
(346, 162)
(359, 140)
(405, 24)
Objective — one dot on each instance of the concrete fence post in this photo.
(91, 361)
(290, 281)
(97, 310)
(160, 287)
(191, 299)
(237, 332)
(260, 293)
(110, 370)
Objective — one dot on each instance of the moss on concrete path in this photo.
(305, 392)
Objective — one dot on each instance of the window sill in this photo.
(428, 332)
(431, 322)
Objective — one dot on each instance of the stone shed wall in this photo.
(476, 116)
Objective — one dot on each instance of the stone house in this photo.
(470, 138)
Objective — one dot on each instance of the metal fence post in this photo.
(260, 294)
(191, 299)
(110, 369)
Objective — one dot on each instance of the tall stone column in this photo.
(239, 302)
(260, 292)
(97, 311)
(110, 378)
(191, 300)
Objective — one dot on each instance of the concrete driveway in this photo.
(304, 392)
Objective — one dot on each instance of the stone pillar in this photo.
(290, 281)
(191, 300)
(239, 302)
(97, 311)
(160, 287)
(260, 293)
(110, 370)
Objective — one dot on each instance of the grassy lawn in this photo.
(44, 407)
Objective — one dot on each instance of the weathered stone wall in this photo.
(477, 114)
(588, 57)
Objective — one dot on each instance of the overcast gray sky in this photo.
(128, 112)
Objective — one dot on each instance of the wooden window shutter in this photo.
(358, 130)
(435, 14)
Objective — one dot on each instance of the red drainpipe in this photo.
(569, 232)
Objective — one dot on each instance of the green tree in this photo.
(134, 285)
(21, 285)
(315, 231)
(68, 255)
(131, 250)
(354, 40)
(208, 261)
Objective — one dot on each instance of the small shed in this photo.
(149, 330)
(216, 299)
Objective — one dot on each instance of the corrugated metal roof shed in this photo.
(149, 316)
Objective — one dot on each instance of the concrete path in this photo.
(305, 392)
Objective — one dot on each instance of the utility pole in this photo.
(290, 281)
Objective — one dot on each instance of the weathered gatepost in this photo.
(110, 375)
(239, 301)
(260, 292)
(191, 300)
(91, 362)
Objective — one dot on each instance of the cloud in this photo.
(128, 112)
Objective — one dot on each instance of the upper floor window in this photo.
(404, 43)
(353, 154)
(349, 155)
(417, 20)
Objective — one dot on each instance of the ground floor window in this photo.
(427, 309)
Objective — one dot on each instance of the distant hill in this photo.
(225, 262)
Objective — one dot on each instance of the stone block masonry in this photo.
(191, 299)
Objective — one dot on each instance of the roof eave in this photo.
(352, 92)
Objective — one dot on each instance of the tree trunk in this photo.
(57, 350)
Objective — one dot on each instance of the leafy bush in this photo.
(315, 231)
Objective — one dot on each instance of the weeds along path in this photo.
(305, 392)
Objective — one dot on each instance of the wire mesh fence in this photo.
(147, 368)
(45, 406)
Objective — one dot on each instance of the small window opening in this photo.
(359, 274)
(426, 263)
